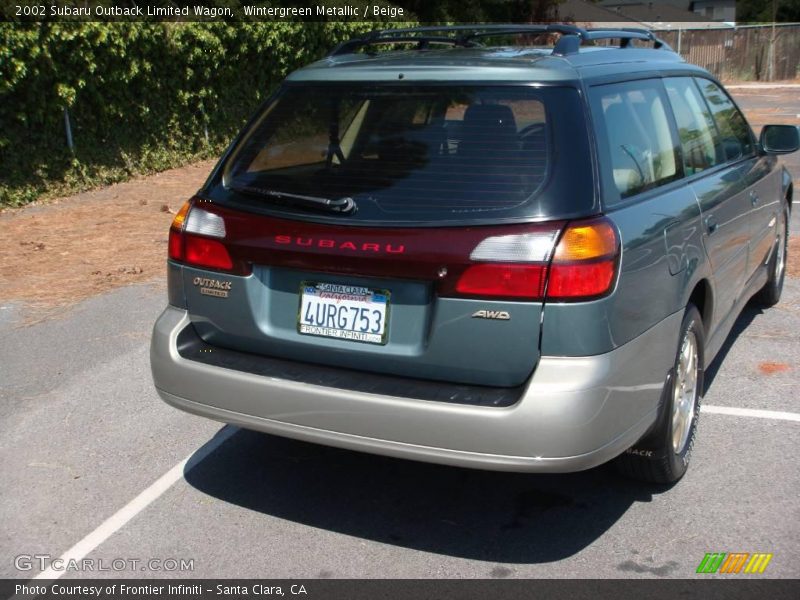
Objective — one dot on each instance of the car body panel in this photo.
(763, 186)
(645, 289)
(725, 206)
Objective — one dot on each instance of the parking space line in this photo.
(751, 412)
(118, 520)
(762, 86)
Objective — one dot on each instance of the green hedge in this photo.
(141, 97)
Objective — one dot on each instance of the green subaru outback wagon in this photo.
(517, 257)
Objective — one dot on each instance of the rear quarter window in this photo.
(638, 144)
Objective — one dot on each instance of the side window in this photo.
(641, 148)
(734, 133)
(696, 128)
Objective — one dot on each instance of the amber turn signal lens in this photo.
(587, 241)
(180, 216)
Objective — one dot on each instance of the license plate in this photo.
(347, 312)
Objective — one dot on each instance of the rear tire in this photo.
(770, 294)
(663, 455)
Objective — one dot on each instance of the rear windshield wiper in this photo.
(340, 205)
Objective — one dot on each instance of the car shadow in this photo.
(743, 321)
(491, 516)
(483, 515)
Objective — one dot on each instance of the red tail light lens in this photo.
(175, 245)
(506, 280)
(580, 280)
(203, 252)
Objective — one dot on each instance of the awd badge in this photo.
(500, 315)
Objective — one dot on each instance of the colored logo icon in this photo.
(734, 562)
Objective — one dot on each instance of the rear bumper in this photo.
(575, 413)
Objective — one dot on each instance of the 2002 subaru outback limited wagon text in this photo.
(512, 258)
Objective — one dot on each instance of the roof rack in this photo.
(572, 37)
(624, 35)
(374, 38)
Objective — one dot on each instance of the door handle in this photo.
(711, 224)
(753, 197)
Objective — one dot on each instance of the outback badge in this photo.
(213, 287)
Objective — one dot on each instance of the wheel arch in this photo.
(702, 296)
(787, 185)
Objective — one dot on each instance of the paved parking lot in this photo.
(82, 434)
(92, 464)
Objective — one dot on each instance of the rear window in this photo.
(420, 154)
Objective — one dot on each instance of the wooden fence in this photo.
(741, 53)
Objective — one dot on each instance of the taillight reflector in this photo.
(175, 245)
(507, 280)
(203, 252)
(582, 280)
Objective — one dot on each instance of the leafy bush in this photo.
(141, 97)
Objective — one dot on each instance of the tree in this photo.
(762, 11)
(475, 11)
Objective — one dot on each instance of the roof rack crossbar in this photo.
(626, 34)
(572, 37)
(523, 30)
(351, 46)
(490, 29)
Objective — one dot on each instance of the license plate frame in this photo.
(371, 298)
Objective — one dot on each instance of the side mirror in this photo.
(780, 139)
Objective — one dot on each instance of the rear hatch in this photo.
(407, 229)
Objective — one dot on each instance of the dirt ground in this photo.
(57, 253)
(63, 251)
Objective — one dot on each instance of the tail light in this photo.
(509, 266)
(554, 260)
(584, 265)
(531, 266)
(196, 238)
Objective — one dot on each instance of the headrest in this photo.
(492, 117)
